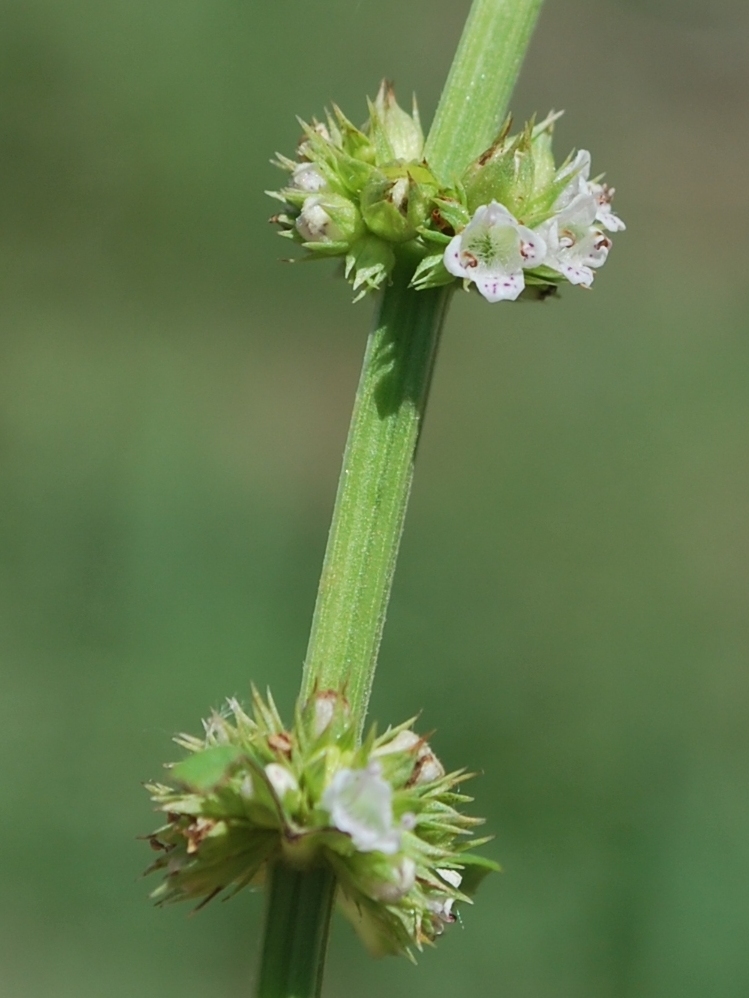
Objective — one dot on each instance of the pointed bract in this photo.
(381, 814)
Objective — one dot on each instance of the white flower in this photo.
(443, 909)
(403, 878)
(604, 214)
(324, 706)
(579, 172)
(492, 251)
(315, 225)
(360, 803)
(404, 741)
(451, 877)
(307, 177)
(281, 779)
(575, 244)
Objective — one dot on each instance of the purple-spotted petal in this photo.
(500, 287)
(576, 274)
(452, 260)
(532, 247)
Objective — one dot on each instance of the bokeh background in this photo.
(570, 610)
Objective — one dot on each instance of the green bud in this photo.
(504, 173)
(329, 218)
(384, 206)
(395, 203)
(396, 134)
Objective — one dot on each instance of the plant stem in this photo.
(296, 932)
(477, 94)
(378, 465)
(373, 491)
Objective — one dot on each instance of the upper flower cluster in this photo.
(381, 814)
(514, 222)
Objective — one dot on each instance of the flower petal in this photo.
(360, 803)
(576, 273)
(452, 259)
(532, 247)
(500, 287)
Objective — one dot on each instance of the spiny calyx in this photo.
(513, 224)
(383, 815)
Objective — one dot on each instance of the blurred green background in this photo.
(570, 609)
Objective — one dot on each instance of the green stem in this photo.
(373, 491)
(296, 932)
(378, 468)
(484, 72)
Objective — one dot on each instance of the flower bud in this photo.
(384, 880)
(281, 779)
(394, 207)
(307, 177)
(504, 173)
(328, 218)
(325, 709)
(396, 134)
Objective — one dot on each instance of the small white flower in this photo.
(281, 779)
(307, 177)
(492, 251)
(605, 214)
(443, 909)
(403, 879)
(576, 246)
(579, 172)
(324, 706)
(315, 225)
(404, 741)
(304, 148)
(451, 877)
(428, 767)
(360, 803)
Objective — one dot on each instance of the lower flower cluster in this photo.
(383, 815)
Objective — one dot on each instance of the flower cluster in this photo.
(514, 223)
(381, 814)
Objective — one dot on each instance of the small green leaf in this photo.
(207, 768)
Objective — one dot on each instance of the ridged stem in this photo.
(377, 472)
(373, 491)
(483, 75)
(296, 932)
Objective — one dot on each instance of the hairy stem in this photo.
(484, 72)
(373, 491)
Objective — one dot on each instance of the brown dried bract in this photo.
(196, 832)
(281, 743)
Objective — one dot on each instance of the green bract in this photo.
(382, 815)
